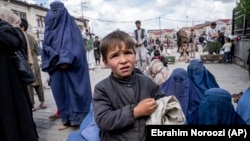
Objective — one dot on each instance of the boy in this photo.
(191, 43)
(124, 100)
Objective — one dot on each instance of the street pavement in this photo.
(231, 77)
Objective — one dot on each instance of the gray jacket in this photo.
(113, 102)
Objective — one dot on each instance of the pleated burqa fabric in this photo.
(63, 44)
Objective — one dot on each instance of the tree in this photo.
(242, 14)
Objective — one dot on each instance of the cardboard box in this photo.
(212, 58)
(170, 59)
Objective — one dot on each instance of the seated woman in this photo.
(201, 76)
(243, 106)
(215, 108)
(179, 85)
(89, 131)
(157, 70)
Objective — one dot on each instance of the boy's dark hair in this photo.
(96, 36)
(213, 23)
(137, 22)
(157, 53)
(184, 42)
(228, 39)
(116, 39)
(24, 23)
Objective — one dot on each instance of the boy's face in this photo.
(138, 25)
(121, 61)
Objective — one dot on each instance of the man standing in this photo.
(201, 41)
(192, 43)
(140, 45)
(221, 38)
(37, 85)
(97, 52)
(212, 38)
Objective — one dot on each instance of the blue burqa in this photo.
(243, 106)
(179, 85)
(89, 131)
(201, 77)
(63, 44)
(215, 108)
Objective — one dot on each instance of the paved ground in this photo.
(229, 76)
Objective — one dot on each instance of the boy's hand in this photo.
(145, 107)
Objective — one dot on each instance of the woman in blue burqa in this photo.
(215, 108)
(187, 93)
(64, 58)
(201, 76)
(243, 106)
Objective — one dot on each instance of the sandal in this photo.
(42, 106)
(65, 126)
(62, 127)
(33, 109)
(54, 116)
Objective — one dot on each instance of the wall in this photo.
(241, 52)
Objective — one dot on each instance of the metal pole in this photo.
(186, 21)
(82, 6)
(160, 26)
(82, 10)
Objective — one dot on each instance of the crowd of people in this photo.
(139, 91)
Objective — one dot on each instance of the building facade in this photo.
(35, 14)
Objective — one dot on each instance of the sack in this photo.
(169, 51)
(183, 36)
(25, 72)
(221, 51)
(183, 33)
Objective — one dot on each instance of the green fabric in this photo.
(89, 44)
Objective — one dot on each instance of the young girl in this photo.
(227, 51)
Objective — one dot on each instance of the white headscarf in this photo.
(7, 15)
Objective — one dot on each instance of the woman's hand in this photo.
(64, 66)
